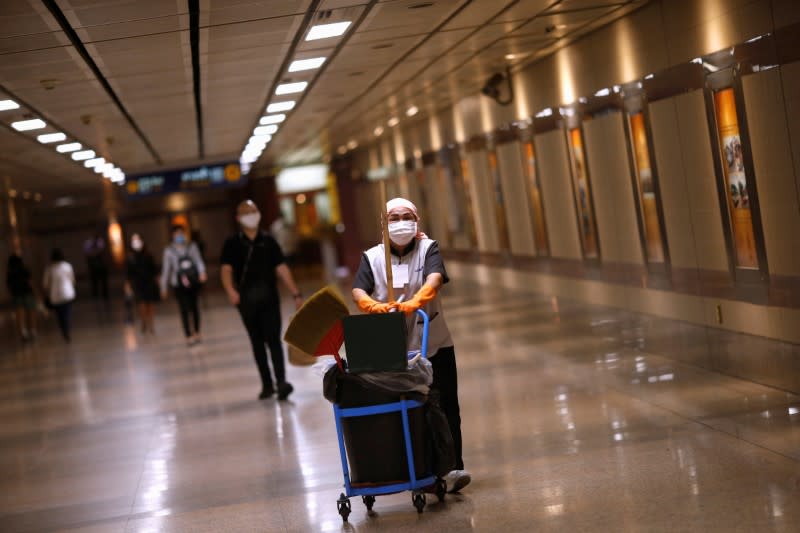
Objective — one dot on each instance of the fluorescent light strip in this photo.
(265, 130)
(272, 119)
(260, 138)
(26, 125)
(411, 111)
(69, 147)
(83, 155)
(281, 106)
(324, 31)
(299, 65)
(291, 88)
(91, 163)
(6, 105)
(394, 121)
(51, 138)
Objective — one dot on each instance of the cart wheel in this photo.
(343, 504)
(440, 489)
(369, 501)
(418, 499)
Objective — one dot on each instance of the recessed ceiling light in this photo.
(291, 88)
(378, 131)
(260, 138)
(272, 119)
(342, 150)
(83, 155)
(265, 130)
(69, 147)
(411, 111)
(394, 121)
(5, 105)
(299, 65)
(352, 144)
(323, 31)
(280, 106)
(25, 125)
(51, 138)
(91, 163)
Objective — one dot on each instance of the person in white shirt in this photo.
(59, 288)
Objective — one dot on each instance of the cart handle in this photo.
(425, 326)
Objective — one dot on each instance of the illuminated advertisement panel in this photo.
(537, 207)
(646, 190)
(741, 216)
(583, 199)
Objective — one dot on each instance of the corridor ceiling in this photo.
(153, 84)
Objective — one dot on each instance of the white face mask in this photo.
(137, 244)
(250, 220)
(402, 232)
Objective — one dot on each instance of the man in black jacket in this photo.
(251, 263)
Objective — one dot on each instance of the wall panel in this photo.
(518, 218)
(483, 201)
(688, 183)
(562, 226)
(618, 230)
(775, 174)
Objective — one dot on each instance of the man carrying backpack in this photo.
(183, 269)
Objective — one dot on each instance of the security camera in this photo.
(492, 88)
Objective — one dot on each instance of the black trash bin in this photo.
(375, 444)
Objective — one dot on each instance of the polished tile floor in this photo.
(571, 423)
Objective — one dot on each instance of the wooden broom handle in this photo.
(386, 245)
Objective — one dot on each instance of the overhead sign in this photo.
(185, 179)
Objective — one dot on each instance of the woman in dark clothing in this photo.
(142, 273)
(18, 281)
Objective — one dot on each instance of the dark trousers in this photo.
(445, 379)
(99, 280)
(262, 319)
(187, 302)
(64, 317)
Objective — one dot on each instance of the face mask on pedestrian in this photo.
(180, 238)
(137, 244)
(403, 231)
(250, 220)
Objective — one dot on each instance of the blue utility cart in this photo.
(416, 486)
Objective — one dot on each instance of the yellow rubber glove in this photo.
(423, 296)
(368, 305)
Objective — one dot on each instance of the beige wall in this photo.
(772, 158)
(518, 217)
(688, 183)
(609, 170)
(436, 224)
(562, 226)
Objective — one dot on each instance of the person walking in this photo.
(95, 251)
(183, 270)
(141, 280)
(18, 281)
(59, 286)
(419, 273)
(251, 262)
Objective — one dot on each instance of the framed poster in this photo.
(535, 196)
(499, 203)
(646, 189)
(583, 195)
(735, 179)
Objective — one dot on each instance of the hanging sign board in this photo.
(185, 179)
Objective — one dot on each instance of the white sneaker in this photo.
(457, 480)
